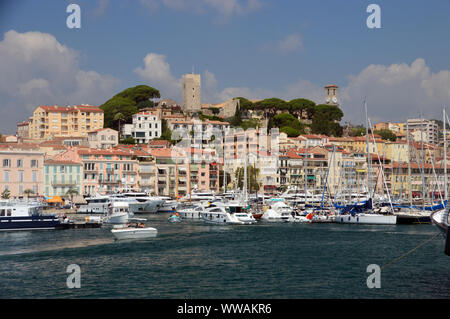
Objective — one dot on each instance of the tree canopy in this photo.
(288, 124)
(127, 102)
(386, 135)
(326, 120)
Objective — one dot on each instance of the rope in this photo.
(410, 252)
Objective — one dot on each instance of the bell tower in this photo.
(331, 94)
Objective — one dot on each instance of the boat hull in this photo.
(134, 233)
(29, 223)
(367, 219)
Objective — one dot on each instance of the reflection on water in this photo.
(195, 260)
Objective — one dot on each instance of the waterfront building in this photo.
(54, 121)
(108, 170)
(21, 169)
(60, 176)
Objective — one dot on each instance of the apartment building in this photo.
(21, 170)
(103, 138)
(60, 176)
(429, 128)
(146, 126)
(66, 121)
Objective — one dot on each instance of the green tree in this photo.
(145, 104)
(358, 131)
(299, 106)
(244, 103)
(129, 140)
(126, 102)
(118, 117)
(326, 120)
(28, 192)
(236, 120)
(71, 193)
(252, 178)
(386, 135)
(6, 194)
(288, 124)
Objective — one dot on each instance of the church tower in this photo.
(331, 94)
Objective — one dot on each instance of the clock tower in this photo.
(331, 94)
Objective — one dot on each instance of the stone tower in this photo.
(191, 93)
(331, 94)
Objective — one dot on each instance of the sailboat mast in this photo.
(409, 166)
(368, 152)
(445, 156)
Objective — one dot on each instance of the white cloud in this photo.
(292, 42)
(396, 92)
(225, 8)
(36, 69)
(157, 73)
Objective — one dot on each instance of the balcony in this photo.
(63, 184)
(109, 182)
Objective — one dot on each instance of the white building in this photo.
(430, 129)
(146, 126)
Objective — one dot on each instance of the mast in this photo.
(176, 178)
(409, 167)
(245, 178)
(305, 168)
(423, 162)
(368, 152)
(445, 156)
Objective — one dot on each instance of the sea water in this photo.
(194, 260)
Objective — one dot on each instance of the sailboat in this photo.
(440, 218)
(364, 214)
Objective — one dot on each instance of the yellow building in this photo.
(65, 121)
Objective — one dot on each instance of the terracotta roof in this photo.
(61, 162)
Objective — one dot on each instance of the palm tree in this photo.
(119, 117)
(71, 192)
(28, 192)
(6, 194)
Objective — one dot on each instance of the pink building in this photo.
(21, 169)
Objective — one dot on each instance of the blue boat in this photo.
(24, 216)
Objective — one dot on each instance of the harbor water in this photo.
(194, 260)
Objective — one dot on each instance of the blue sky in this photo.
(256, 48)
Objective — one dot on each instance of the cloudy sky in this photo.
(250, 48)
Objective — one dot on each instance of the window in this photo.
(20, 176)
(34, 176)
(6, 176)
(6, 163)
(19, 163)
(34, 163)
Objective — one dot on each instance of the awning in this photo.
(55, 199)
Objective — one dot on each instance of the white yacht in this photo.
(118, 213)
(278, 212)
(230, 214)
(366, 218)
(192, 211)
(170, 205)
(199, 196)
(95, 205)
(140, 203)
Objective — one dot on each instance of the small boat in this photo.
(134, 231)
(118, 213)
(175, 218)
